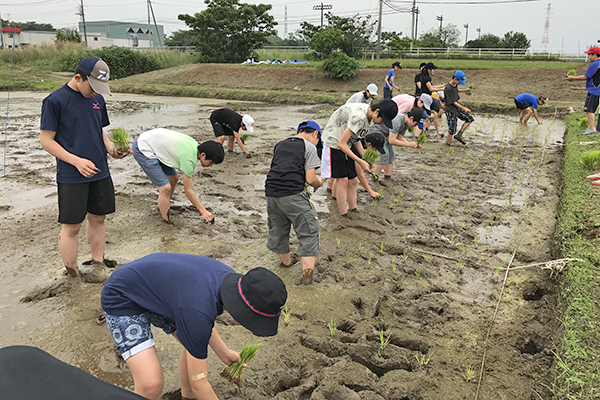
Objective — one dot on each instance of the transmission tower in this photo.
(285, 24)
(545, 38)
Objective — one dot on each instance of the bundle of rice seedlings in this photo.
(583, 122)
(370, 156)
(572, 72)
(591, 159)
(422, 138)
(244, 137)
(120, 139)
(234, 371)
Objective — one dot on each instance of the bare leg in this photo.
(341, 193)
(351, 193)
(387, 169)
(147, 373)
(184, 380)
(334, 188)
(164, 201)
(528, 113)
(67, 246)
(221, 139)
(230, 141)
(363, 181)
(285, 258)
(377, 168)
(96, 235)
(436, 123)
(173, 182)
(308, 262)
(464, 127)
(590, 117)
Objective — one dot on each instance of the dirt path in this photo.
(422, 265)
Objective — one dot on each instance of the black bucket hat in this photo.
(255, 300)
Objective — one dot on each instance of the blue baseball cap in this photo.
(460, 76)
(316, 127)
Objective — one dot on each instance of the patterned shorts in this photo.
(132, 333)
(453, 118)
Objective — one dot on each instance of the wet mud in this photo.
(405, 292)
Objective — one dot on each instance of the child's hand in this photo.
(208, 216)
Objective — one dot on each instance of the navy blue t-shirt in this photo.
(78, 123)
(183, 287)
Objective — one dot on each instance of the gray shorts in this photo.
(283, 212)
(388, 157)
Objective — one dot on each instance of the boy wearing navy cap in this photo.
(454, 110)
(288, 203)
(71, 130)
(183, 294)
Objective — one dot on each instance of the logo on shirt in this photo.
(96, 106)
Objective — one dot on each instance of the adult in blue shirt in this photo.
(183, 294)
(528, 104)
(592, 84)
(71, 130)
(388, 86)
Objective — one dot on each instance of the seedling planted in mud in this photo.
(470, 374)
(228, 218)
(405, 254)
(418, 272)
(381, 248)
(462, 247)
(338, 241)
(246, 221)
(393, 265)
(350, 257)
(370, 259)
(383, 341)
(359, 246)
(427, 258)
(497, 270)
(404, 236)
(460, 265)
(393, 224)
(235, 370)
(286, 314)
(452, 237)
(424, 359)
(331, 326)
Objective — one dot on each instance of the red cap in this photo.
(593, 50)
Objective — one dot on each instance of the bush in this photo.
(339, 65)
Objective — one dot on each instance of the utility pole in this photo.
(155, 26)
(379, 29)
(441, 19)
(149, 31)
(545, 38)
(478, 33)
(323, 7)
(82, 13)
(1, 35)
(413, 10)
(285, 24)
(417, 12)
(467, 32)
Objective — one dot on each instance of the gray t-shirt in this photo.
(359, 97)
(311, 158)
(451, 95)
(399, 127)
(353, 116)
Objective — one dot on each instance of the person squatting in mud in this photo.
(160, 152)
(293, 166)
(226, 122)
(183, 294)
(71, 129)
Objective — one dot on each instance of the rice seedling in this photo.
(468, 207)
(370, 156)
(470, 374)
(228, 219)
(244, 137)
(383, 341)
(452, 237)
(381, 248)
(583, 122)
(370, 260)
(405, 254)
(437, 211)
(429, 223)
(497, 270)
(263, 156)
(437, 187)
(418, 272)
(267, 227)
(422, 139)
(460, 265)
(235, 370)
(404, 236)
(350, 257)
(421, 196)
(338, 241)
(591, 159)
(427, 258)
(331, 326)
(571, 72)
(393, 224)
(120, 139)
(401, 194)
(462, 247)
(487, 192)
(393, 265)
(424, 359)
(246, 221)
(412, 208)
(359, 246)
(286, 314)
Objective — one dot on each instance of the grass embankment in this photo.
(578, 230)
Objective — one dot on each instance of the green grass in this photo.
(282, 55)
(578, 354)
(591, 159)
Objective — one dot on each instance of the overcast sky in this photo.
(569, 29)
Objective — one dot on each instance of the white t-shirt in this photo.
(359, 97)
(353, 116)
(174, 149)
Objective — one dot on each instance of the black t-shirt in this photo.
(287, 175)
(424, 80)
(451, 96)
(30, 373)
(228, 118)
(417, 89)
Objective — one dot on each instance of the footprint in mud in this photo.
(42, 293)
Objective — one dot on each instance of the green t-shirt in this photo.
(174, 149)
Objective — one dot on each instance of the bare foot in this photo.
(593, 177)
(307, 276)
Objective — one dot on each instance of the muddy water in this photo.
(424, 264)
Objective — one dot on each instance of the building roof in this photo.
(11, 30)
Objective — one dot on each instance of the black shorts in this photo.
(75, 200)
(219, 129)
(520, 106)
(591, 103)
(342, 166)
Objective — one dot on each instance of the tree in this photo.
(28, 26)
(395, 40)
(229, 31)
(357, 32)
(325, 41)
(447, 36)
(181, 38)
(515, 40)
(68, 35)
(486, 41)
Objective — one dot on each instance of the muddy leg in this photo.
(341, 193)
(308, 269)
(96, 235)
(173, 181)
(377, 168)
(67, 246)
(164, 201)
(351, 193)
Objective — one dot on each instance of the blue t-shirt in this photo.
(422, 120)
(183, 287)
(78, 123)
(529, 99)
(592, 83)
(391, 75)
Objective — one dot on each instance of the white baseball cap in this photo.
(372, 88)
(248, 122)
(427, 100)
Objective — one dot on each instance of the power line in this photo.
(472, 2)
